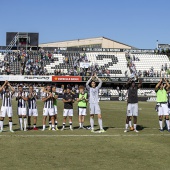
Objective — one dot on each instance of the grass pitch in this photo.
(81, 149)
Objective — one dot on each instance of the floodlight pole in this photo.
(157, 44)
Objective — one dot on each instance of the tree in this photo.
(162, 51)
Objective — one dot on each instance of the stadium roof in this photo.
(98, 42)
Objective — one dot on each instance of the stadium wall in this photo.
(52, 78)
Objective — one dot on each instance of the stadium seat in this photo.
(146, 61)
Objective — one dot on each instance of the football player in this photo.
(55, 96)
(132, 104)
(82, 100)
(32, 107)
(47, 98)
(161, 98)
(68, 100)
(94, 102)
(6, 92)
(22, 97)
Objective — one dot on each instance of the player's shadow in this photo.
(15, 130)
(105, 128)
(7, 125)
(66, 127)
(140, 127)
(87, 127)
(40, 127)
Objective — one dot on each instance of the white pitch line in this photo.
(143, 128)
(116, 135)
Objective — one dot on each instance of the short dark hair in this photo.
(69, 87)
(53, 86)
(20, 85)
(93, 81)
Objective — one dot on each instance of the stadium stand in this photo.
(112, 64)
(64, 62)
(1, 63)
(151, 63)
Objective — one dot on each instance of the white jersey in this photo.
(32, 104)
(6, 98)
(48, 103)
(93, 92)
(21, 102)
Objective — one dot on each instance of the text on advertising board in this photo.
(26, 78)
(37, 77)
(66, 78)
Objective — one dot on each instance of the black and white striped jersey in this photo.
(168, 96)
(48, 103)
(32, 104)
(21, 102)
(6, 98)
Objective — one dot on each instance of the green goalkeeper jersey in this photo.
(55, 100)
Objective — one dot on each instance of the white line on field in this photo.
(116, 135)
(144, 128)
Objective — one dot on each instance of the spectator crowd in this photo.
(34, 62)
(164, 70)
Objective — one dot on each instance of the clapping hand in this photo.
(161, 80)
(32, 95)
(51, 95)
(93, 77)
(6, 82)
(19, 95)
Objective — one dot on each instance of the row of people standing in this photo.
(27, 107)
(162, 106)
(49, 97)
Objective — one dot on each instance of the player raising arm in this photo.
(132, 104)
(94, 102)
(6, 92)
(161, 98)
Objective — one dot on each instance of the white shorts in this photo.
(68, 112)
(132, 109)
(82, 111)
(94, 109)
(22, 111)
(163, 110)
(6, 110)
(55, 110)
(48, 111)
(32, 112)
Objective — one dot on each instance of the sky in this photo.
(139, 23)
